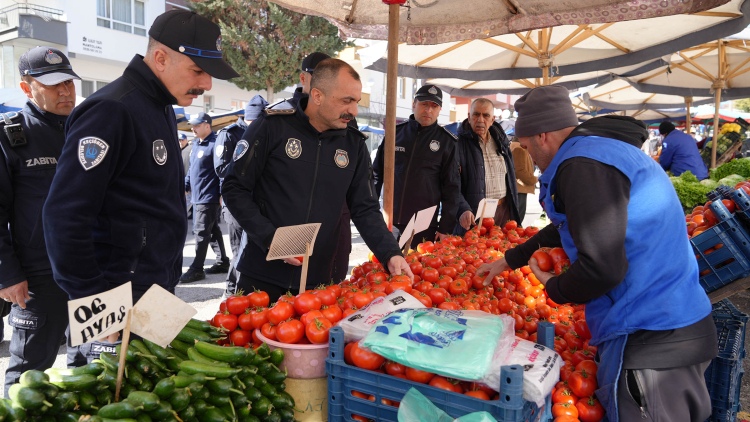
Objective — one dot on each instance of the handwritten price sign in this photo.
(97, 316)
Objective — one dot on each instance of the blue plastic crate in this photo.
(727, 263)
(343, 379)
(725, 310)
(724, 374)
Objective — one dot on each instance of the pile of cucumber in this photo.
(193, 380)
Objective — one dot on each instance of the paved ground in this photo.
(205, 295)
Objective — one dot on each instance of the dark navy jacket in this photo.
(124, 218)
(226, 140)
(201, 179)
(284, 172)
(471, 162)
(26, 174)
(679, 153)
(426, 173)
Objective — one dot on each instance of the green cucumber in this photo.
(191, 335)
(220, 386)
(109, 378)
(156, 350)
(148, 401)
(260, 382)
(26, 397)
(220, 353)
(93, 368)
(164, 388)
(105, 397)
(268, 390)
(200, 325)
(280, 386)
(146, 385)
(262, 407)
(48, 418)
(264, 350)
(289, 398)
(280, 401)
(209, 370)
(91, 418)
(287, 414)
(248, 360)
(119, 420)
(275, 377)
(64, 401)
(251, 418)
(180, 399)
(126, 389)
(198, 391)
(87, 401)
(217, 400)
(265, 368)
(73, 382)
(109, 360)
(181, 346)
(185, 380)
(253, 394)
(277, 357)
(163, 411)
(199, 405)
(196, 356)
(240, 401)
(34, 379)
(229, 412)
(15, 413)
(187, 413)
(143, 366)
(141, 347)
(121, 410)
(99, 387)
(273, 416)
(135, 378)
(67, 417)
(130, 355)
(49, 391)
(142, 417)
(213, 415)
(249, 381)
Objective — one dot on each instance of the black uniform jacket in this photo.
(284, 173)
(116, 210)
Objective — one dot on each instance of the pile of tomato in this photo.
(445, 277)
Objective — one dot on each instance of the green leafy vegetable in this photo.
(689, 190)
(740, 166)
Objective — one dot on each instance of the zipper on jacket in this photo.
(403, 191)
(642, 402)
(143, 246)
(371, 181)
(250, 158)
(315, 178)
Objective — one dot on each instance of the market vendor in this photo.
(298, 166)
(647, 313)
(679, 152)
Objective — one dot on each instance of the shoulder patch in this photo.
(449, 133)
(279, 111)
(240, 149)
(91, 151)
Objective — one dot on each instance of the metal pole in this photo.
(390, 114)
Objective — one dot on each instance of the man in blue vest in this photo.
(679, 152)
(648, 316)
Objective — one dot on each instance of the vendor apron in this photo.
(662, 278)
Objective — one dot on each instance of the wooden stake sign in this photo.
(123, 354)
(419, 222)
(97, 316)
(488, 207)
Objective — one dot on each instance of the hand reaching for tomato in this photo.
(293, 261)
(493, 269)
(397, 265)
(542, 276)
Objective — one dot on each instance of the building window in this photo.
(401, 87)
(238, 105)
(208, 103)
(123, 15)
(88, 87)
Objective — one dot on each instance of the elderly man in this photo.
(487, 169)
(604, 198)
(297, 166)
(426, 171)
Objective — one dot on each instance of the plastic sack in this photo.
(415, 407)
(457, 344)
(541, 367)
(357, 325)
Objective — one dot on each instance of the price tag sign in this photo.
(489, 206)
(97, 316)
(159, 316)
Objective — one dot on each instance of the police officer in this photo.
(116, 210)
(31, 142)
(426, 172)
(297, 166)
(226, 140)
(305, 75)
(201, 180)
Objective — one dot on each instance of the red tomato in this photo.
(422, 297)
(522, 334)
(281, 312)
(729, 204)
(393, 368)
(543, 260)
(449, 305)
(348, 353)
(458, 286)
(365, 359)
(332, 313)
(306, 302)
(399, 283)
(237, 304)
(582, 384)
(564, 409)
(377, 276)
(363, 299)
(557, 255)
(590, 410)
(531, 231)
(438, 295)
(240, 337)
(478, 394)
(348, 311)
(259, 317)
(566, 418)
(488, 222)
(426, 247)
(582, 329)
(310, 316)
(511, 225)
(317, 330)
(245, 321)
(589, 366)
(562, 266)
(430, 275)
(574, 340)
(566, 371)
(530, 325)
(290, 332)
(226, 320)
(416, 375)
(335, 288)
(259, 299)
(327, 297)
(416, 268)
(223, 306)
(581, 355)
(443, 383)
(268, 331)
(564, 395)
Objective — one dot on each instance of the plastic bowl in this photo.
(302, 361)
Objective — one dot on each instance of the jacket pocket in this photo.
(144, 235)
(250, 156)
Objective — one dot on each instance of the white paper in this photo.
(424, 218)
(406, 234)
(97, 316)
(489, 210)
(159, 316)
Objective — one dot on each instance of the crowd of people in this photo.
(95, 196)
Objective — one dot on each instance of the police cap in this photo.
(430, 93)
(200, 118)
(47, 65)
(195, 36)
(312, 60)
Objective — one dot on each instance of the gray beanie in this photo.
(544, 109)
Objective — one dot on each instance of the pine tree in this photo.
(266, 43)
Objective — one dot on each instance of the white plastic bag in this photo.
(357, 325)
(541, 367)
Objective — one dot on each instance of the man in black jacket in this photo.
(298, 166)
(426, 171)
(487, 169)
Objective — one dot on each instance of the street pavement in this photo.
(205, 295)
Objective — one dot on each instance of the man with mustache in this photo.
(426, 171)
(30, 145)
(116, 210)
(487, 169)
(298, 166)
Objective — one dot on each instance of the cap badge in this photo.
(432, 91)
(293, 148)
(434, 145)
(341, 158)
(218, 43)
(52, 58)
(182, 49)
(91, 152)
(219, 150)
(240, 149)
(160, 152)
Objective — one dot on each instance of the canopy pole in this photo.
(688, 123)
(390, 114)
(716, 128)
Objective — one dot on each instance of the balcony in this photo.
(33, 21)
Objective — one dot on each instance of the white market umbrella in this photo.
(454, 21)
(647, 116)
(710, 70)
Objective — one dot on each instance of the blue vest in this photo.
(660, 290)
